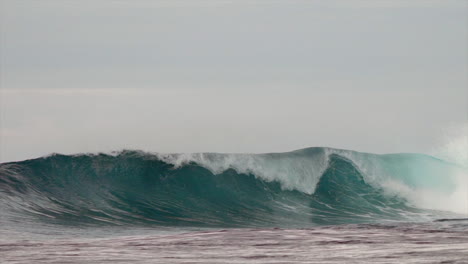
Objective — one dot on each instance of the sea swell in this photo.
(314, 186)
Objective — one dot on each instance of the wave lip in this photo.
(313, 186)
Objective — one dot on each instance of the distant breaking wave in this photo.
(313, 186)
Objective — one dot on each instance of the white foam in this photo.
(295, 170)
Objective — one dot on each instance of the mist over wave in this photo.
(454, 147)
(313, 186)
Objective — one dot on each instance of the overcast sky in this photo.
(230, 76)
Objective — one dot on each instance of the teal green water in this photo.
(136, 188)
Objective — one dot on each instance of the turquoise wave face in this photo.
(139, 189)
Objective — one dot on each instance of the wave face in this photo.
(314, 186)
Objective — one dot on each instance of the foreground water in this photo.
(402, 243)
(313, 205)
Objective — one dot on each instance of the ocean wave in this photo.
(313, 186)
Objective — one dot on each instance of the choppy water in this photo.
(313, 205)
(403, 243)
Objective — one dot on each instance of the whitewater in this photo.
(317, 204)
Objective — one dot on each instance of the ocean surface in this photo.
(314, 205)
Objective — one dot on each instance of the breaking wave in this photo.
(313, 186)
